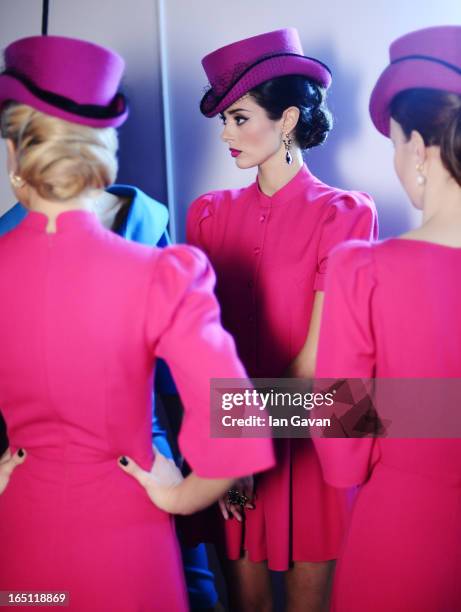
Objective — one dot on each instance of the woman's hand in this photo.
(243, 487)
(169, 491)
(8, 463)
(159, 482)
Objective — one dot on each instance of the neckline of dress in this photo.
(66, 222)
(288, 191)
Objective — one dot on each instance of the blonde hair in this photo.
(59, 159)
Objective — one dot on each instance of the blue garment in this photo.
(12, 218)
(146, 223)
(147, 219)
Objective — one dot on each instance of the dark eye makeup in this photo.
(239, 119)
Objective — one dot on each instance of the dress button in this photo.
(257, 250)
(262, 218)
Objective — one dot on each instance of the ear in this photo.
(290, 119)
(12, 163)
(417, 147)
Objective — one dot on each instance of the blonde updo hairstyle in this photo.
(59, 159)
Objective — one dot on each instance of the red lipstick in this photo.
(234, 152)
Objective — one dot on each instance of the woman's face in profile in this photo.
(251, 136)
(405, 164)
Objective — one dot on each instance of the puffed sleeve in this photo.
(351, 215)
(184, 328)
(347, 350)
(199, 222)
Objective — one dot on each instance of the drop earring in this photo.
(420, 178)
(16, 180)
(287, 142)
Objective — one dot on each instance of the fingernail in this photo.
(124, 461)
(20, 453)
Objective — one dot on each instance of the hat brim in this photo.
(273, 67)
(408, 74)
(12, 90)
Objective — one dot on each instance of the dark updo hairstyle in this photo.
(436, 115)
(278, 94)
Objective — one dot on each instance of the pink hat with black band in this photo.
(428, 59)
(237, 68)
(67, 78)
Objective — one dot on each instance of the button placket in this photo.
(258, 251)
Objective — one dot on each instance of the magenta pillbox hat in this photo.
(429, 58)
(236, 68)
(67, 78)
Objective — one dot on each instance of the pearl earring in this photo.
(420, 178)
(16, 180)
(287, 142)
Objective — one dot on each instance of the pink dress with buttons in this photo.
(84, 315)
(392, 310)
(270, 255)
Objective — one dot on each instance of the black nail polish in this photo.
(20, 453)
(123, 461)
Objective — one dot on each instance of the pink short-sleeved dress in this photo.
(84, 314)
(270, 256)
(392, 311)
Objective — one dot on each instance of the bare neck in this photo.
(52, 209)
(275, 173)
(441, 222)
(105, 205)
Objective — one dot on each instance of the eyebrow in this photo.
(237, 110)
